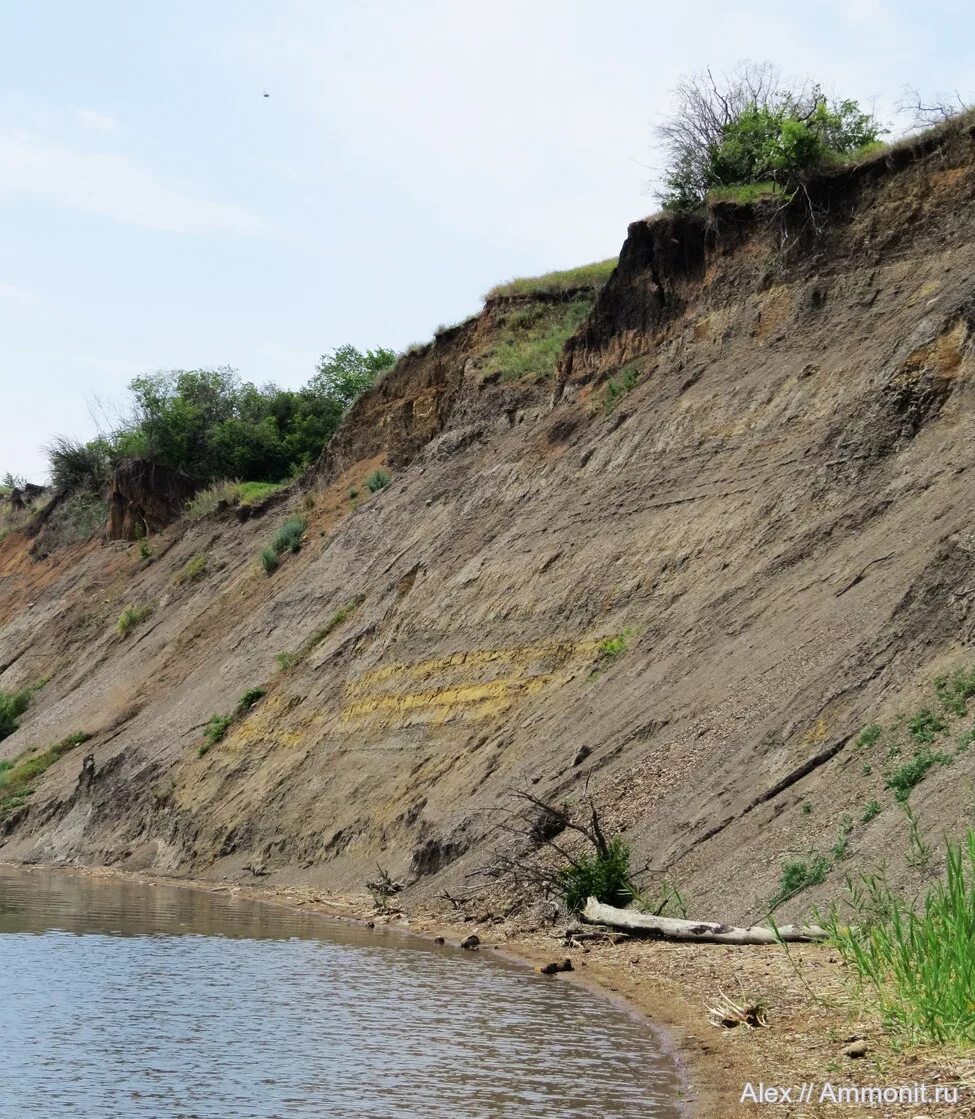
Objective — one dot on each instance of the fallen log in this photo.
(670, 928)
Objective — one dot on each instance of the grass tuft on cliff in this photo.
(531, 338)
(18, 777)
(217, 725)
(591, 276)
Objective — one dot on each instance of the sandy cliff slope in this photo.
(752, 471)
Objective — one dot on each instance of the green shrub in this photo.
(911, 773)
(131, 616)
(247, 701)
(214, 731)
(269, 560)
(806, 808)
(606, 878)
(799, 875)
(209, 424)
(12, 706)
(917, 961)
(286, 660)
(378, 480)
(750, 130)
(78, 467)
(288, 537)
(610, 649)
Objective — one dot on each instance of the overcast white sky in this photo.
(159, 212)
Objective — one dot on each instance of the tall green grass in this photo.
(916, 960)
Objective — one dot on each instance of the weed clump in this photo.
(870, 812)
(289, 659)
(618, 387)
(131, 616)
(799, 875)
(905, 777)
(217, 725)
(194, 568)
(269, 560)
(606, 877)
(869, 735)
(925, 725)
(378, 480)
(288, 538)
(611, 649)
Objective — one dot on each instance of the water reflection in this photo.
(126, 1000)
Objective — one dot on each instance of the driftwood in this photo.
(672, 929)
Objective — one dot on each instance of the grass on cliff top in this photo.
(553, 283)
(530, 339)
(18, 776)
(205, 502)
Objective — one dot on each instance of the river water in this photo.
(123, 1000)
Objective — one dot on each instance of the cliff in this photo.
(683, 564)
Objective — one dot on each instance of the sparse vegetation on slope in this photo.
(288, 538)
(378, 480)
(19, 777)
(287, 660)
(225, 493)
(530, 338)
(194, 568)
(217, 726)
(131, 616)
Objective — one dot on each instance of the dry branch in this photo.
(670, 928)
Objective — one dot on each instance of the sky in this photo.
(158, 211)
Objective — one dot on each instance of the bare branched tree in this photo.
(928, 111)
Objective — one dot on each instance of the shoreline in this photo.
(669, 985)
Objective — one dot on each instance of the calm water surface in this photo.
(120, 1000)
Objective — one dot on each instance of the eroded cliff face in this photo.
(753, 464)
